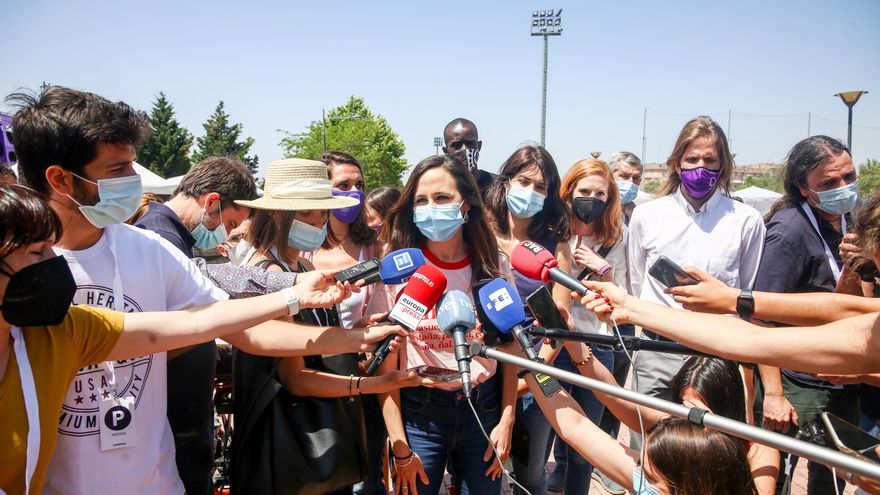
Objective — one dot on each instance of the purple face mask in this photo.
(350, 214)
(699, 181)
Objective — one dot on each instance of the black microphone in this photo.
(455, 317)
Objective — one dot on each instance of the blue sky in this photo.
(420, 64)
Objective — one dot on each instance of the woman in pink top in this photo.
(441, 211)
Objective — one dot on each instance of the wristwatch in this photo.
(292, 301)
(745, 304)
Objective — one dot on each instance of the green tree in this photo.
(354, 129)
(869, 178)
(166, 152)
(770, 180)
(222, 139)
(652, 186)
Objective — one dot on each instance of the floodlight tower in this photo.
(850, 98)
(546, 23)
(438, 142)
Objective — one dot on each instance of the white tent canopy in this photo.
(758, 198)
(152, 182)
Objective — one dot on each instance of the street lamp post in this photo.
(850, 98)
(546, 23)
(438, 142)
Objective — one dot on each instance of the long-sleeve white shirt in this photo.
(725, 238)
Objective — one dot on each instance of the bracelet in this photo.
(411, 452)
(585, 361)
(350, 379)
(359, 385)
(405, 464)
(602, 271)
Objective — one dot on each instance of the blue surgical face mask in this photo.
(628, 191)
(207, 238)
(438, 222)
(641, 486)
(305, 237)
(839, 200)
(524, 203)
(119, 199)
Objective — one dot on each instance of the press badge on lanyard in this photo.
(116, 414)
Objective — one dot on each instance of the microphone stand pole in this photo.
(695, 415)
(630, 343)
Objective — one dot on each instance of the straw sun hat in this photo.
(298, 184)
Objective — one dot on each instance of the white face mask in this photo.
(237, 254)
(119, 199)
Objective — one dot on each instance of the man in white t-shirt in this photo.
(78, 149)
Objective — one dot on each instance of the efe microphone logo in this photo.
(403, 261)
(500, 299)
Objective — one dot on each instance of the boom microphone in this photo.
(395, 268)
(455, 317)
(421, 293)
(504, 308)
(534, 261)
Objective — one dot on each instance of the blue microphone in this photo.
(456, 316)
(393, 269)
(504, 308)
(398, 266)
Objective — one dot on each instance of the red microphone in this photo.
(420, 294)
(534, 261)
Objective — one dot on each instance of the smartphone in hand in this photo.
(435, 373)
(668, 273)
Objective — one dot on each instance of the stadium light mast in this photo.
(438, 142)
(850, 98)
(546, 23)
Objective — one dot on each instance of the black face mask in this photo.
(39, 294)
(467, 157)
(587, 209)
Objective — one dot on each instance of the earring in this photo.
(465, 216)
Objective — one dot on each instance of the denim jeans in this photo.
(577, 470)
(440, 426)
(376, 437)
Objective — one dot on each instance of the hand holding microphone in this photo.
(395, 268)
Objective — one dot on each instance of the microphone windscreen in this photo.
(398, 266)
(502, 305)
(454, 310)
(533, 260)
(420, 294)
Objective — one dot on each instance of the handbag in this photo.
(285, 444)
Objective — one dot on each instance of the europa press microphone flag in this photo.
(421, 293)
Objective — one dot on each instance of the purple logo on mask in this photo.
(350, 214)
(699, 181)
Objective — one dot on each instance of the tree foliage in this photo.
(652, 186)
(869, 178)
(770, 180)
(166, 152)
(222, 139)
(354, 129)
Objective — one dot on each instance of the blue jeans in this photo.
(440, 426)
(577, 470)
(532, 476)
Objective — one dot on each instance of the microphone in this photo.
(504, 308)
(534, 261)
(395, 268)
(455, 317)
(421, 293)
